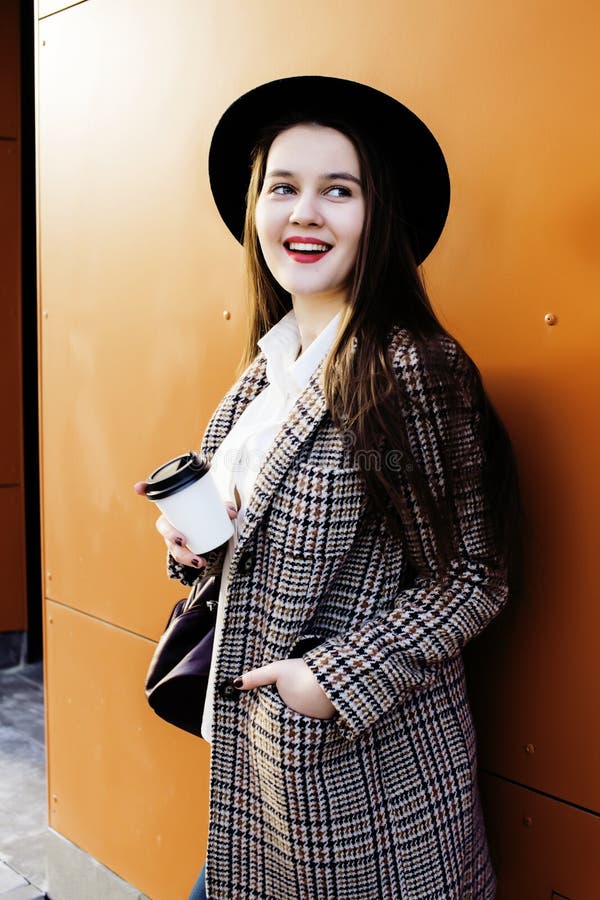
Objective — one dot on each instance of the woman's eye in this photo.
(339, 191)
(282, 189)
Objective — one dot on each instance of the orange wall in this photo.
(13, 608)
(136, 271)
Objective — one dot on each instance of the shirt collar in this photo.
(281, 345)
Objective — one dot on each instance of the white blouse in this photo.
(238, 459)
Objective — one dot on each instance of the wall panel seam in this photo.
(62, 9)
(541, 793)
(89, 615)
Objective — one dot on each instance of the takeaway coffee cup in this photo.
(185, 492)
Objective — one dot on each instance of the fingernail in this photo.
(179, 542)
(238, 682)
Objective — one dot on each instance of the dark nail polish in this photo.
(238, 682)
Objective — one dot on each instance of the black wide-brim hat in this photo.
(415, 156)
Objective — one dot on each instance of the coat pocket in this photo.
(278, 726)
(315, 511)
(278, 710)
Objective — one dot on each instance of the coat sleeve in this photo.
(188, 575)
(378, 665)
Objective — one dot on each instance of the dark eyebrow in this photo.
(341, 176)
(329, 176)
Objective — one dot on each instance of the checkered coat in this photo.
(380, 801)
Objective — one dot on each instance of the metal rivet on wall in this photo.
(226, 314)
(550, 319)
(527, 821)
(530, 748)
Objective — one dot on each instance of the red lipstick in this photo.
(312, 249)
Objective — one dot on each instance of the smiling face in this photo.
(310, 211)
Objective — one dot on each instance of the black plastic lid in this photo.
(175, 475)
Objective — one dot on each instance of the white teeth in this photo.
(309, 248)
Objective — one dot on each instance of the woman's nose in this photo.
(306, 211)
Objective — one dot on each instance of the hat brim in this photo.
(415, 156)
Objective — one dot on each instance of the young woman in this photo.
(376, 508)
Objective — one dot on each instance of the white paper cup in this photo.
(185, 492)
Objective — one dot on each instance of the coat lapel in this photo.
(306, 415)
(247, 387)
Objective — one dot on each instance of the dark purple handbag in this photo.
(178, 674)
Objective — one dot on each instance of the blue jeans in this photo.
(199, 889)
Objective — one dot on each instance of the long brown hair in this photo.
(364, 396)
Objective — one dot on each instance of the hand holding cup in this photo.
(184, 489)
